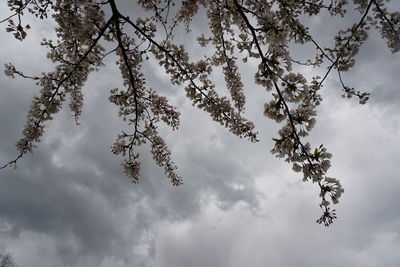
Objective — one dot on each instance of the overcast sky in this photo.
(68, 203)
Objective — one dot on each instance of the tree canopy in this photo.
(239, 32)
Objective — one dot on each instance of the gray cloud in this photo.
(68, 203)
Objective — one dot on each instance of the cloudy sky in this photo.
(68, 203)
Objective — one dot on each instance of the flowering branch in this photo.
(340, 50)
(34, 128)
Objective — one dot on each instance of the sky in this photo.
(69, 204)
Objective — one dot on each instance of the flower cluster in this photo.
(143, 108)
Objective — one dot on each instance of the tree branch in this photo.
(25, 148)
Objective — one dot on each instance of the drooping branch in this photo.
(26, 144)
(353, 32)
(144, 102)
(363, 97)
(116, 17)
(322, 182)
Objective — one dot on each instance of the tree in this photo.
(238, 30)
(6, 260)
